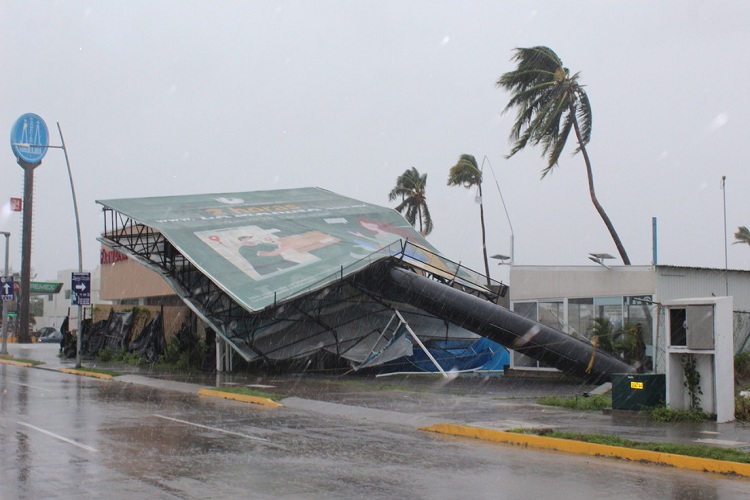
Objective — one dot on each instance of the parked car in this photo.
(49, 335)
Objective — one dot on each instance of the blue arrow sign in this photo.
(6, 289)
(80, 289)
(29, 138)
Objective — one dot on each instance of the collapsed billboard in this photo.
(266, 247)
(286, 274)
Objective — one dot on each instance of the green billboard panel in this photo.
(265, 247)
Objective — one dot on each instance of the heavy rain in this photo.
(269, 300)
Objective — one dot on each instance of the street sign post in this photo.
(80, 289)
(7, 292)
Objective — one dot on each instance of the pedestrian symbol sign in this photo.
(80, 289)
(6, 289)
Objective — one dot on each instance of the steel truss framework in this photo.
(288, 329)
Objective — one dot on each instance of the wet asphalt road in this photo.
(65, 436)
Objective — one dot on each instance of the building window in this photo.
(552, 314)
(548, 313)
(525, 309)
(609, 308)
(580, 317)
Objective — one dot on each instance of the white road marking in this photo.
(32, 386)
(216, 429)
(57, 436)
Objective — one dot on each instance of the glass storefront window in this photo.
(609, 308)
(580, 317)
(525, 309)
(552, 314)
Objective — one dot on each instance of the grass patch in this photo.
(583, 403)
(690, 450)
(10, 357)
(246, 391)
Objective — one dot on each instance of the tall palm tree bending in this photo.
(466, 173)
(410, 186)
(550, 104)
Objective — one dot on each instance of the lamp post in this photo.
(79, 339)
(4, 349)
(512, 255)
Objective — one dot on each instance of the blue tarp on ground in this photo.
(454, 355)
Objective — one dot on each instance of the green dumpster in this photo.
(635, 391)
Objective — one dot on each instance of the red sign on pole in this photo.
(16, 205)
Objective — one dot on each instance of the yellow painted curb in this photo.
(239, 397)
(85, 373)
(16, 363)
(583, 448)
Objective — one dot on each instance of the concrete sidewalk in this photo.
(492, 404)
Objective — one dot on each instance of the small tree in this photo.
(411, 186)
(466, 173)
(601, 334)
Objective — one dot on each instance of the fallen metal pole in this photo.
(547, 345)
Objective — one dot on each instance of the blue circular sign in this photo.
(29, 138)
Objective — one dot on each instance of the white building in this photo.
(57, 306)
(569, 298)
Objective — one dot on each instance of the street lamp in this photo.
(79, 334)
(504, 259)
(4, 349)
(600, 258)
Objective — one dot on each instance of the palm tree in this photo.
(466, 173)
(550, 104)
(410, 186)
(742, 235)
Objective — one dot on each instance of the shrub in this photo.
(582, 402)
(742, 365)
(664, 414)
(742, 409)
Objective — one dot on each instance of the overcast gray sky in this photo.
(179, 97)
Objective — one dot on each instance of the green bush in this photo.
(105, 355)
(742, 409)
(584, 403)
(185, 351)
(664, 414)
(742, 365)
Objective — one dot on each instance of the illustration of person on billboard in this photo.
(269, 253)
(260, 252)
